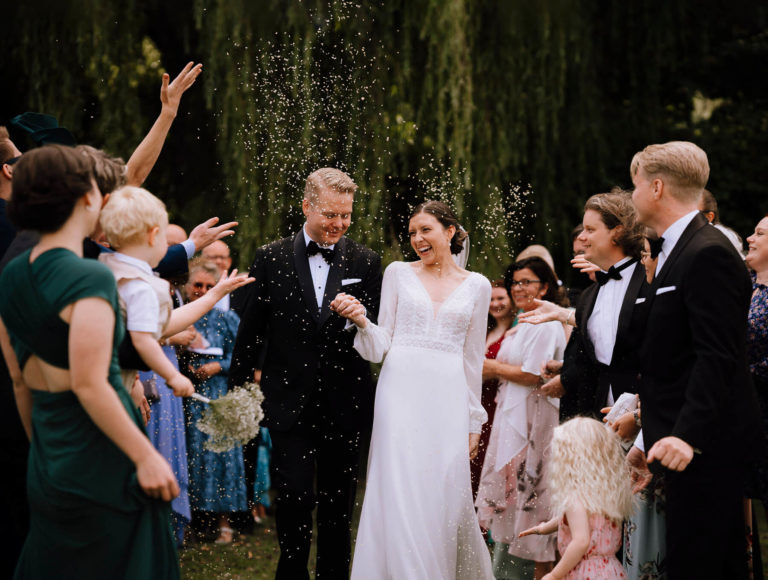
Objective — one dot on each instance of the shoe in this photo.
(225, 535)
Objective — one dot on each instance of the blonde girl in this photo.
(591, 495)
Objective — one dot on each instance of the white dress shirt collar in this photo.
(672, 235)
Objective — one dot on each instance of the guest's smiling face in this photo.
(757, 256)
(526, 287)
(329, 215)
(501, 303)
(199, 283)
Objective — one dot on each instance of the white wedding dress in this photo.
(418, 521)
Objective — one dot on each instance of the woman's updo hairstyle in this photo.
(442, 213)
(47, 183)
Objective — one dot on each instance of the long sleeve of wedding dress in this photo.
(373, 341)
(474, 355)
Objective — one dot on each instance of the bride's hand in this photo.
(474, 445)
(349, 307)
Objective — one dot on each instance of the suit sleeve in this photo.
(716, 296)
(251, 334)
(174, 263)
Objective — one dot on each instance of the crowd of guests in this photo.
(108, 329)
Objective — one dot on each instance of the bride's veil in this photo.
(462, 257)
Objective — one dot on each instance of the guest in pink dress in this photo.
(501, 317)
(591, 496)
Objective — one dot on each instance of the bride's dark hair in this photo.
(442, 213)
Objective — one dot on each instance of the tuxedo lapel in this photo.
(333, 284)
(301, 263)
(627, 307)
(698, 222)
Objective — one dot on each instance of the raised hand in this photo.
(229, 282)
(170, 94)
(584, 265)
(545, 311)
(208, 232)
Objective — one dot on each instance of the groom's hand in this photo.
(349, 307)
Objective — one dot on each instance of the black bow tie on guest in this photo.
(613, 273)
(326, 253)
(655, 246)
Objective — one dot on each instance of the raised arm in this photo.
(145, 156)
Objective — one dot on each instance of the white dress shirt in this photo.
(603, 323)
(672, 235)
(319, 269)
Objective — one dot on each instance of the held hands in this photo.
(349, 307)
(673, 452)
(156, 477)
(474, 445)
(170, 95)
(181, 385)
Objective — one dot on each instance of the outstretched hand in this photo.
(170, 94)
(545, 311)
(583, 265)
(229, 282)
(208, 232)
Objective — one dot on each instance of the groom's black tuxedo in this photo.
(318, 392)
(695, 386)
(586, 381)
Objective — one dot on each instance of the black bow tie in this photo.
(613, 273)
(326, 253)
(655, 246)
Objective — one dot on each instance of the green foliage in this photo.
(514, 112)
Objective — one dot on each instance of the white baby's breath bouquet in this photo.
(232, 419)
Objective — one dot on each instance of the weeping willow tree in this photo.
(513, 112)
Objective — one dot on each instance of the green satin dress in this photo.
(89, 517)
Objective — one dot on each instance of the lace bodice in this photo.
(409, 318)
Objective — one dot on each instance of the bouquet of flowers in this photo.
(232, 419)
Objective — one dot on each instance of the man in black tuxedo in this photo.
(318, 391)
(601, 359)
(699, 412)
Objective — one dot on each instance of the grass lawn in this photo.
(254, 556)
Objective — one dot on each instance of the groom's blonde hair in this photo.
(328, 178)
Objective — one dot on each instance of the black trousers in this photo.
(314, 451)
(706, 534)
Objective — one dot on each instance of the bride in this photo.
(418, 520)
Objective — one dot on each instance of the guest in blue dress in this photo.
(166, 431)
(216, 480)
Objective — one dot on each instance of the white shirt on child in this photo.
(141, 304)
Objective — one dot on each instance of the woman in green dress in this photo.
(99, 493)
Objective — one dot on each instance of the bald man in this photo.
(218, 254)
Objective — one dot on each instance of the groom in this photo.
(318, 391)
